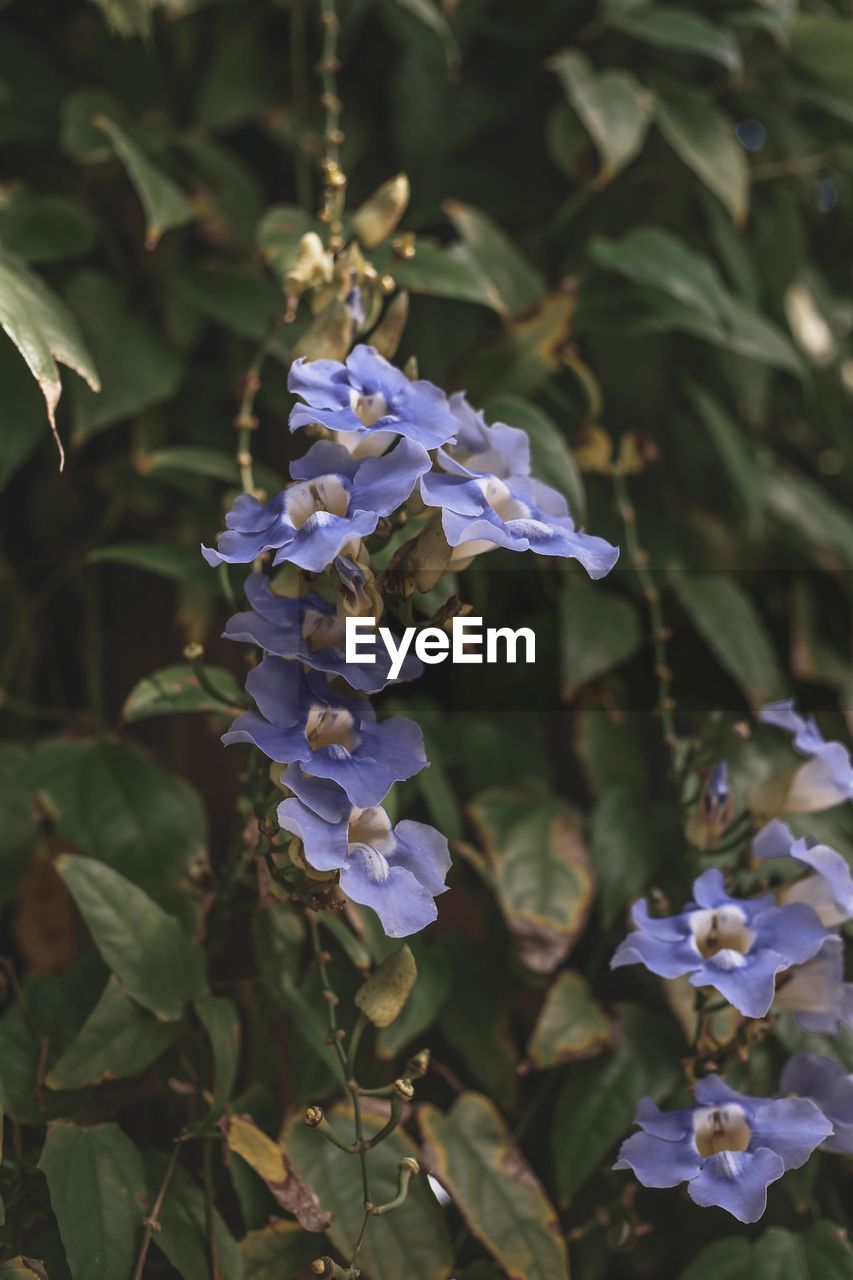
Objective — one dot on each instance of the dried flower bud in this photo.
(314, 1117)
(594, 450)
(378, 217)
(404, 1089)
(418, 1065)
(313, 265)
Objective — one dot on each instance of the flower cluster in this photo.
(778, 951)
(387, 443)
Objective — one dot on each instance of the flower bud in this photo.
(404, 1090)
(379, 215)
(714, 810)
(314, 1117)
(313, 265)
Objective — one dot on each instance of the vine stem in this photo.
(152, 1222)
(660, 635)
(334, 179)
(347, 1060)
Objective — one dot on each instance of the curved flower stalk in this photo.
(388, 442)
(728, 1148)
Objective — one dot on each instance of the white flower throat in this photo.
(368, 408)
(722, 932)
(326, 493)
(330, 727)
(717, 1129)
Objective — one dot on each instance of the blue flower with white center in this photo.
(737, 946)
(828, 1085)
(829, 890)
(370, 401)
(397, 871)
(336, 737)
(308, 629)
(728, 1148)
(827, 778)
(336, 501)
(481, 512)
(816, 993)
(483, 450)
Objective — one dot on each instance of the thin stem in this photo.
(640, 561)
(334, 179)
(298, 62)
(152, 1221)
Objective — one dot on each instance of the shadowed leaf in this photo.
(117, 1040)
(571, 1024)
(471, 1152)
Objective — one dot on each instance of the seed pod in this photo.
(379, 215)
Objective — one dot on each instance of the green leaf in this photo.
(139, 369)
(242, 302)
(824, 46)
(164, 204)
(146, 948)
(113, 802)
(176, 689)
(518, 283)
(595, 1109)
(683, 32)
(630, 838)
(533, 349)
(732, 627)
(660, 260)
(219, 1018)
(46, 228)
(423, 1005)
(117, 1040)
(127, 17)
(598, 632)
(44, 331)
(280, 1250)
(58, 1005)
(552, 459)
(197, 460)
(728, 1259)
(705, 140)
(180, 563)
(99, 1195)
(182, 1236)
(428, 13)
(542, 876)
(679, 288)
(471, 1152)
(18, 832)
(384, 994)
(809, 512)
(730, 442)
(410, 1244)
(474, 1018)
(614, 108)
(278, 235)
(23, 424)
(571, 1024)
(446, 273)
(820, 1253)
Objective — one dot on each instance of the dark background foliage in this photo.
(636, 229)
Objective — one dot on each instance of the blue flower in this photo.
(483, 450)
(810, 1075)
(302, 719)
(816, 993)
(398, 871)
(712, 815)
(307, 628)
(367, 397)
(488, 498)
(337, 500)
(728, 1148)
(479, 513)
(827, 778)
(735, 945)
(829, 890)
